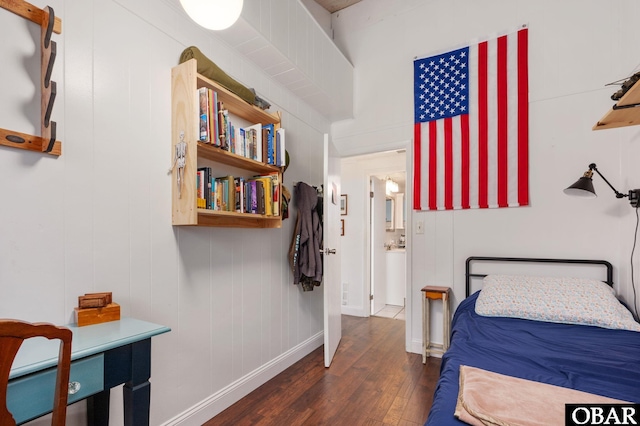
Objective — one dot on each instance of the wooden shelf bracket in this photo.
(624, 113)
(616, 106)
(49, 24)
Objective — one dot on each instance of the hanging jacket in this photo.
(305, 257)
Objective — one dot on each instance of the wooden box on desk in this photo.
(89, 316)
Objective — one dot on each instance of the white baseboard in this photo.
(227, 396)
(416, 348)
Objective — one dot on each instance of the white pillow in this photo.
(551, 299)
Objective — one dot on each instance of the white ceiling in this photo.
(336, 5)
(248, 41)
(399, 176)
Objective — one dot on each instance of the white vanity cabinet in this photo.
(396, 271)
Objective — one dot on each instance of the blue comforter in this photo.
(591, 359)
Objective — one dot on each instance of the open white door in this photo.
(378, 255)
(331, 236)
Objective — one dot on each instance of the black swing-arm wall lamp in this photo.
(584, 187)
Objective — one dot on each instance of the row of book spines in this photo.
(258, 195)
(258, 142)
(252, 196)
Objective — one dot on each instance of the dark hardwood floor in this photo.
(372, 381)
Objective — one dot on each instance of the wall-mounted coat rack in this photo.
(49, 24)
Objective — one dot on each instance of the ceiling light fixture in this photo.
(213, 14)
(391, 186)
(584, 187)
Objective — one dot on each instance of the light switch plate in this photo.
(419, 227)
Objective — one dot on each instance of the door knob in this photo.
(330, 251)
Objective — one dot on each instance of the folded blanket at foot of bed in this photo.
(486, 399)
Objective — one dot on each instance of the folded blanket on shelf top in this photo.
(212, 71)
(486, 398)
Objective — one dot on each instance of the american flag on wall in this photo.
(471, 128)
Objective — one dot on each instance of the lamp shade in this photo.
(213, 14)
(582, 188)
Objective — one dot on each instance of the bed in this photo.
(587, 358)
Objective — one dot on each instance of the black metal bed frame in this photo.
(469, 274)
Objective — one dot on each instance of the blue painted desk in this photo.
(103, 356)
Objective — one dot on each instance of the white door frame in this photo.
(377, 287)
(408, 229)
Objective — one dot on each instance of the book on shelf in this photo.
(243, 141)
(255, 141)
(265, 202)
(237, 141)
(224, 128)
(213, 116)
(228, 132)
(201, 201)
(200, 183)
(275, 185)
(251, 143)
(220, 126)
(217, 204)
(215, 194)
(229, 187)
(268, 145)
(280, 148)
(265, 150)
(239, 194)
(225, 193)
(232, 138)
(253, 198)
(203, 99)
(247, 197)
(259, 197)
(205, 183)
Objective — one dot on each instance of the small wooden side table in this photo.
(435, 293)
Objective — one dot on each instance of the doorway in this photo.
(388, 244)
(356, 174)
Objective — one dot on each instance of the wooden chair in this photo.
(12, 334)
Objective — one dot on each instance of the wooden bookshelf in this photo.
(220, 156)
(185, 82)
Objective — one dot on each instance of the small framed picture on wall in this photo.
(343, 204)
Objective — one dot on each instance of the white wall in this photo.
(98, 218)
(576, 47)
